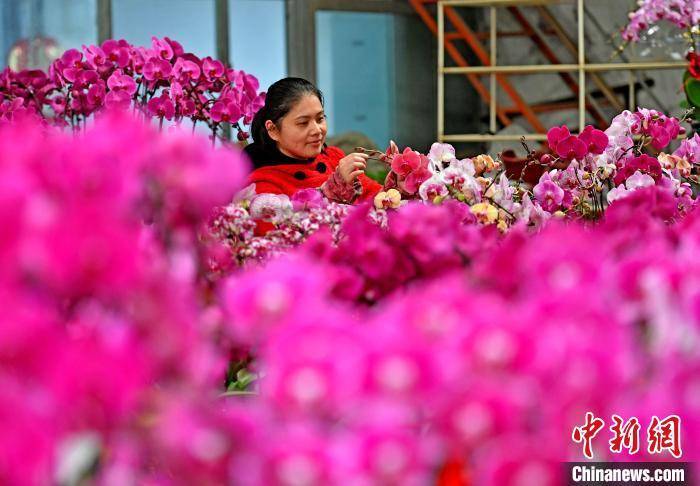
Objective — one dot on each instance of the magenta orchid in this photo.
(644, 164)
(571, 147)
(409, 169)
(682, 13)
(118, 75)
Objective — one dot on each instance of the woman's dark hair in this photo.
(280, 99)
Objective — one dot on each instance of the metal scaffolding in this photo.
(498, 75)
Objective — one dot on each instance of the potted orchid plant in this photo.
(161, 81)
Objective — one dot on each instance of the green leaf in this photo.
(244, 378)
(692, 89)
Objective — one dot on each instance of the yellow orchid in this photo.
(387, 199)
(485, 213)
(484, 163)
(670, 162)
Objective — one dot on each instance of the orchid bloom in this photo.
(439, 155)
(548, 194)
(485, 213)
(389, 199)
(433, 189)
(270, 206)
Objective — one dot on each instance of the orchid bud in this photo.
(546, 159)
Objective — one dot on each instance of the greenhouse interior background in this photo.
(374, 60)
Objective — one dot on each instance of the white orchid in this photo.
(439, 155)
(270, 206)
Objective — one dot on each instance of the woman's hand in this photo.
(351, 166)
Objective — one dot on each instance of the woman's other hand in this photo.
(352, 166)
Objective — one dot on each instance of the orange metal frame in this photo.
(462, 32)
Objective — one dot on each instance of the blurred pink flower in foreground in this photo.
(388, 345)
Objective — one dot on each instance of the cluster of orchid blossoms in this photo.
(582, 175)
(684, 14)
(291, 221)
(109, 353)
(162, 81)
(413, 346)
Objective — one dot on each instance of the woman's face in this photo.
(301, 132)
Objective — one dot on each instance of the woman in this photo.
(289, 152)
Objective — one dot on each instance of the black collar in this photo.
(263, 156)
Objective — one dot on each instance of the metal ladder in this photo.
(461, 32)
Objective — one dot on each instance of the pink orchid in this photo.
(156, 69)
(681, 13)
(571, 148)
(96, 94)
(253, 107)
(548, 194)
(186, 107)
(555, 135)
(212, 69)
(96, 58)
(660, 137)
(119, 99)
(247, 83)
(224, 111)
(117, 52)
(138, 59)
(72, 58)
(417, 177)
(74, 84)
(119, 81)
(661, 128)
(406, 162)
(432, 188)
(643, 164)
(596, 140)
(177, 48)
(58, 104)
(85, 78)
(186, 71)
(306, 199)
(34, 78)
(567, 146)
(162, 49)
(161, 107)
(79, 103)
(689, 149)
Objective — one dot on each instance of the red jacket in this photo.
(290, 178)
